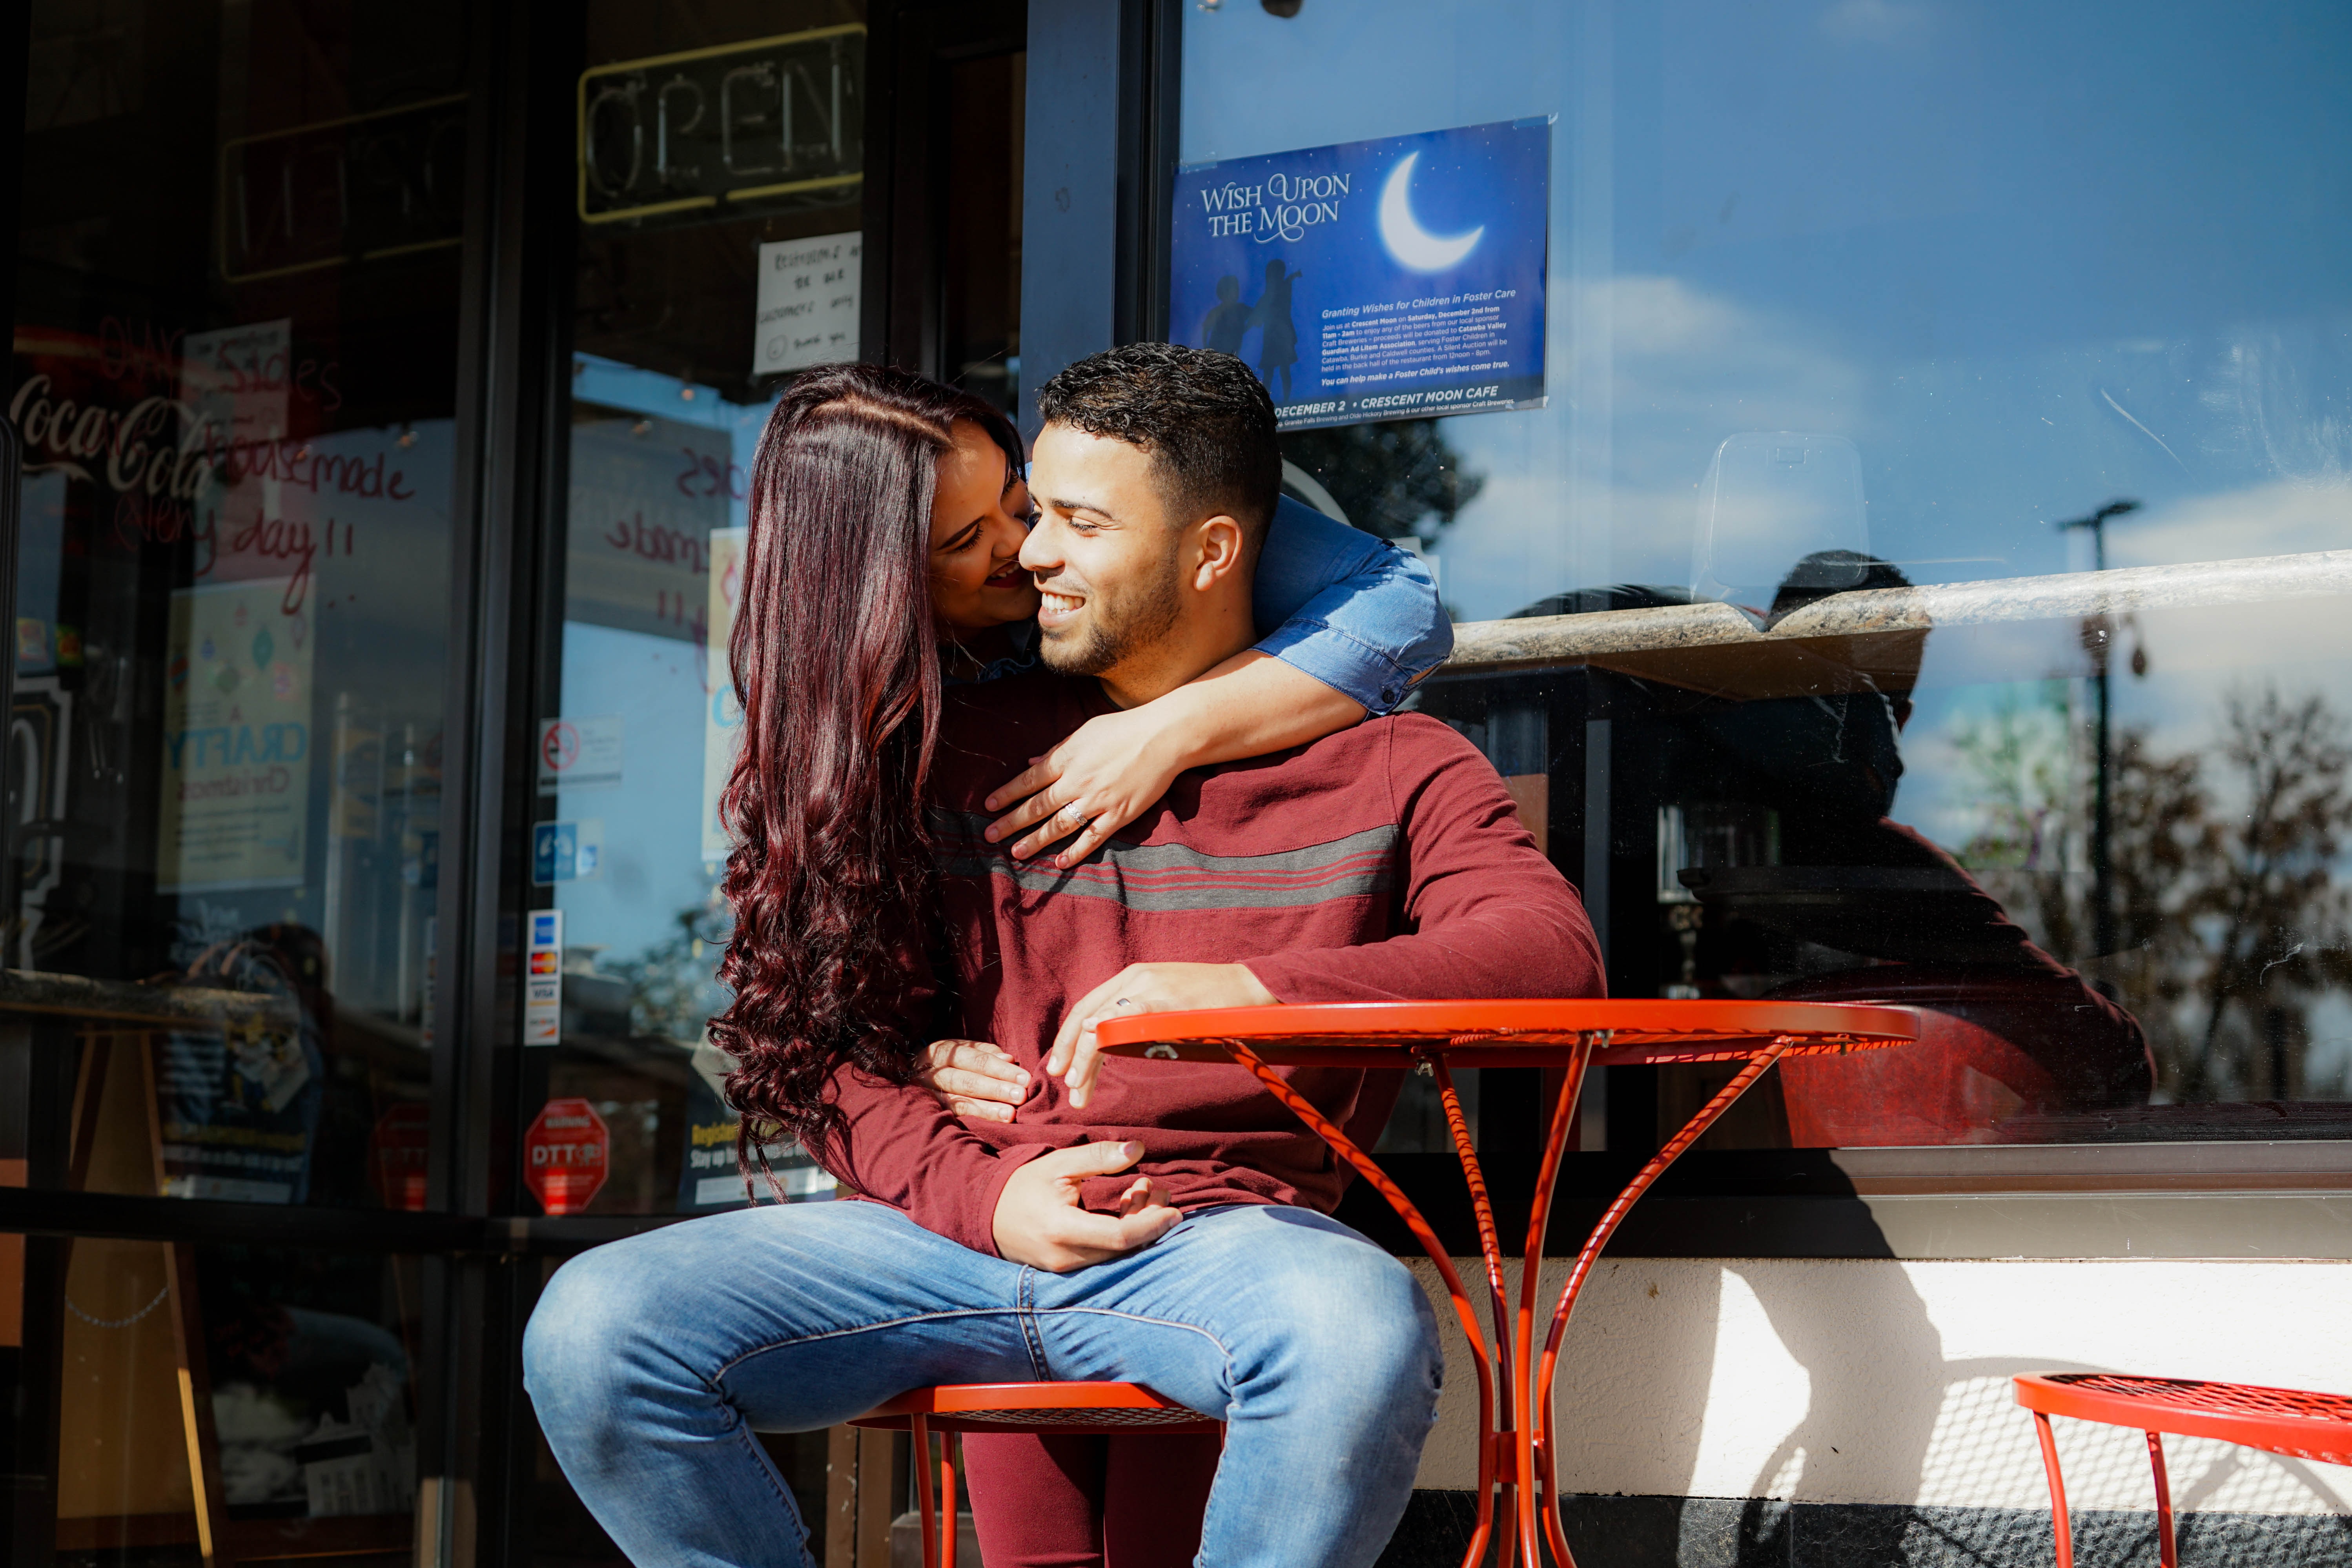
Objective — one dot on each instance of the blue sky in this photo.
(2026, 258)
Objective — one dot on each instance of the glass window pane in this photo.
(718, 251)
(235, 362)
(1881, 300)
(261, 1397)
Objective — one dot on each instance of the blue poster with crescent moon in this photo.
(1397, 279)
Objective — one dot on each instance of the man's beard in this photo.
(1114, 633)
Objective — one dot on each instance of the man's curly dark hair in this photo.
(1206, 420)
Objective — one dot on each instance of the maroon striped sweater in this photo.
(1382, 863)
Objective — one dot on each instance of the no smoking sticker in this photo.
(579, 754)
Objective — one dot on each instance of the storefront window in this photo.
(233, 381)
(248, 1401)
(719, 250)
(235, 362)
(1846, 297)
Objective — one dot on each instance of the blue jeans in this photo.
(652, 1361)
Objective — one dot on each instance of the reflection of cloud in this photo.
(2287, 517)
(1690, 369)
(1876, 21)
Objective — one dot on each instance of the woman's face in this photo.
(980, 515)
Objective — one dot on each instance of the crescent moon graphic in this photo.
(1406, 239)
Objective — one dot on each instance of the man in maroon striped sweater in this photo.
(1383, 862)
(1162, 1222)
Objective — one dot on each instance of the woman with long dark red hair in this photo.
(887, 515)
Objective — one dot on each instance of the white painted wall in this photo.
(1886, 1382)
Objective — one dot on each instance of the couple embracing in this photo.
(923, 637)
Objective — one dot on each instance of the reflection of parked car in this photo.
(1771, 780)
(1997, 1051)
(2008, 1032)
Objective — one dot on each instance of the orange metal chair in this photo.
(952, 1409)
(2281, 1420)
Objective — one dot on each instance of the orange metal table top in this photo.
(2290, 1421)
(1531, 1033)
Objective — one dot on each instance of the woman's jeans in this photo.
(652, 1360)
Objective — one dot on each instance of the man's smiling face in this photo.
(1104, 552)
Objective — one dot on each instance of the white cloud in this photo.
(1688, 369)
(2284, 517)
(1876, 21)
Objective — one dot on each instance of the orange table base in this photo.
(1517, 1454)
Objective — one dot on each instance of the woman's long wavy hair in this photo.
(837, 665)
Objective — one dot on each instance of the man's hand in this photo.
(1039, 1223)
(1076, 1060)
(974, 1079)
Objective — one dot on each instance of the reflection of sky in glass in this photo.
(2025, 262)
(653, 866)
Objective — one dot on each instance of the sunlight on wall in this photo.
(1871, 1382)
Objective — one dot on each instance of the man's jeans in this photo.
(652, 1360)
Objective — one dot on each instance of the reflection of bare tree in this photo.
(673, 984)
(2167, 852)
(2022, 761)
(2229, 925)
(1394, 479)
(2279, 919)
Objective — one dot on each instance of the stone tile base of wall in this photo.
(1736, 1533)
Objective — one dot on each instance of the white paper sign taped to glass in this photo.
(236, 740)
(1397, 279)
(807, 302)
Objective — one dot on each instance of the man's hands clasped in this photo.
(1039, 1220)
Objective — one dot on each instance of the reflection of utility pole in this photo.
(2098, 636)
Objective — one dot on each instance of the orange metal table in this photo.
(1518, 1450)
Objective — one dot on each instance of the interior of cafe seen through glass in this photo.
(1815, 316)
(1825, 315)
(234, 386)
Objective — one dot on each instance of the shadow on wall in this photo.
(1887, 1418)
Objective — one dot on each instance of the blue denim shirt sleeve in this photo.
(1353, 611)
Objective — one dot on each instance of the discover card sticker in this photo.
(1396, 278)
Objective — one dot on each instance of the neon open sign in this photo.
(733, 124)
(357, 188)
